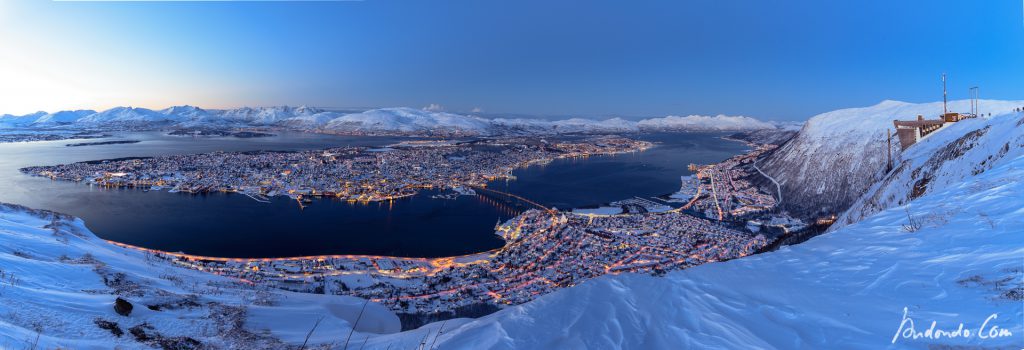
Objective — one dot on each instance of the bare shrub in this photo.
(913, 224)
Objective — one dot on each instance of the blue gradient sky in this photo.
(587, 58)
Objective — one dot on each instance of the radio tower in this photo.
(944, 111)
(974, 101)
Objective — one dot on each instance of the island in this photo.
(349, 173)
(217, 132)
(98, 143)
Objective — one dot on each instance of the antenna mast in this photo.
(974, 101)
(944, 110)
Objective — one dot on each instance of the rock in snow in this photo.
(123, 307)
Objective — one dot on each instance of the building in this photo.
(953, 117)
(909, 132)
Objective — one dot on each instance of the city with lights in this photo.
(546, 249)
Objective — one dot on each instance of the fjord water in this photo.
(231, 225)
(580, 182)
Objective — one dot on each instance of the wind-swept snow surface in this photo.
(58, 284)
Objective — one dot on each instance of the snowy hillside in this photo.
(58, 285)
(837, 155)
(945, 158)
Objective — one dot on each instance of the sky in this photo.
(765, 59)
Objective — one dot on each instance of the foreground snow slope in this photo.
(57, 280)
(843, 290)
(837, 155)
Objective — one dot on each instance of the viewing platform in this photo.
(912, 131)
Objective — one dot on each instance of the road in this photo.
(777, 186)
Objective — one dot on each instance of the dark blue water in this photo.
(574, 183)
(232, 225)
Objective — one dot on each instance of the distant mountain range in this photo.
(399, 120)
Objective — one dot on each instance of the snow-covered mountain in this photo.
(63, 117)
(127, 115)
(265, 115)
(186, 112)
(619, 125)
(947, 157)
(308, 122)
(375, 121)
(571, 125)
(837, 155)
(704, 123)
(8, 120)
(408, 120)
